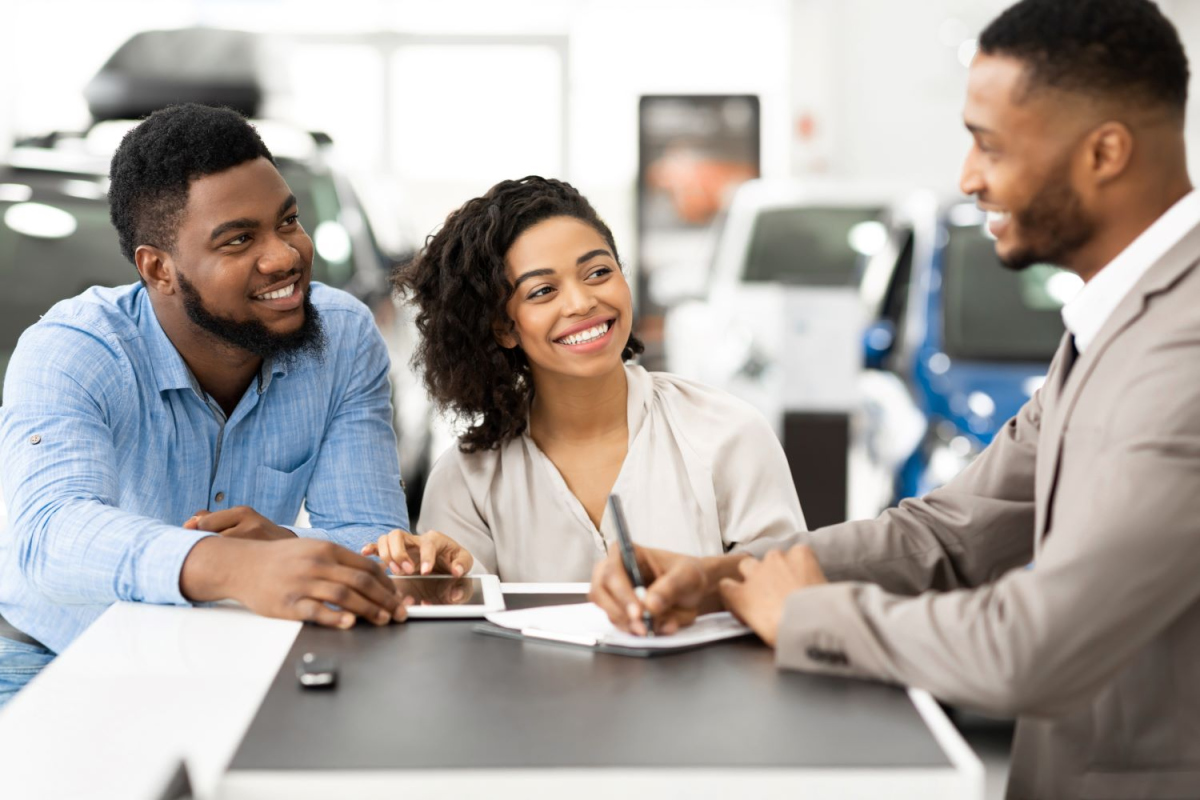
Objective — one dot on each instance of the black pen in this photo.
(629, 559)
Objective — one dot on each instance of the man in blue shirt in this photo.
(157, 439)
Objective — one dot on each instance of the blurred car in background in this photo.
(56, 239)
(774, 234)
(777, 321)
(970, 339)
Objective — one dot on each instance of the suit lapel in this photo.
(1064, 394)
(1052, 391)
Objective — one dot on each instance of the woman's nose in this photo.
(578, 299)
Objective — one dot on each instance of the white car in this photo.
(780, 322)
(724, 329)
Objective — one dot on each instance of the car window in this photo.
(994, 313)
(808, 245)
(75, 249)
(316, 196)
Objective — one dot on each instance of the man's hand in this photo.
(239, 522)
(679, 587)
(435, 552)
(292, 579)
(758, 598)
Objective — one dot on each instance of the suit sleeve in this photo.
(966, 533)
(1113, 574)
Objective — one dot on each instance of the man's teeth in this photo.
(278, 294)
(998, 216)
(583, 337)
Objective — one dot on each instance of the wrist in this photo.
(284, 532)
(211, 569)
(717, 568)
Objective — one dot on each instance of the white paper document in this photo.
(587, 624)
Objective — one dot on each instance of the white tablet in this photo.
(444, 596)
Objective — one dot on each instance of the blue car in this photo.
(970, 339)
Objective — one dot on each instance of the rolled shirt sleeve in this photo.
(356, 491)
(74, 545)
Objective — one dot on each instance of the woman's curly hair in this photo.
(460, 287)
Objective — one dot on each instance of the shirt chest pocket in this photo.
(279, 493)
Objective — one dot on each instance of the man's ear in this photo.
(155, 267)
(1109, 151)
(506, 335)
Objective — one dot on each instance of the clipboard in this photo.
(539, 637)
(583, 625)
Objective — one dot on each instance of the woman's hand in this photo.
(400, 551)
(679, 587)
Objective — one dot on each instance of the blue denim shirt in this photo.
(108, 444)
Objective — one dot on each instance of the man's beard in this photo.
(253, 336)
(1055, 222)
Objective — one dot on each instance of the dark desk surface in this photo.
(434, 695)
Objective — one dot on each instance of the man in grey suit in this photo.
(1076, 108)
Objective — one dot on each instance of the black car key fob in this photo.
(316, 672)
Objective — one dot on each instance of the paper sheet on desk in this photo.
(587, 624)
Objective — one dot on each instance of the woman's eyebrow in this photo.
(533, 273)
(583, 259)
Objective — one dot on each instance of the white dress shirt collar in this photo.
(1087, 312)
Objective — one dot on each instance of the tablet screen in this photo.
(439, 590)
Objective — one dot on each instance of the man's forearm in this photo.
(87, 552)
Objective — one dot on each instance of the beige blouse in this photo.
(704, 475)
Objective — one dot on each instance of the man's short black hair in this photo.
(1120, 49)
(157, 160)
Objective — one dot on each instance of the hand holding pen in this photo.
(629, 560)
(679, 588)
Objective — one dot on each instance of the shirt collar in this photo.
(1087, 312)
(170, 370)
(641, 393)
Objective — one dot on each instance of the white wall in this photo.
(885, 83)
(1186, 16)
(889, 87)
(618, 51)
(851, 88)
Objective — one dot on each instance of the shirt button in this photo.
(35, 439)
(220, 497)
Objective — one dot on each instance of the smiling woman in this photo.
(525, 319)
(464, 291)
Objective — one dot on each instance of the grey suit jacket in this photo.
(1096, 646)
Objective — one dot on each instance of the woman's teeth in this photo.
(590, 335)
(278, 294)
